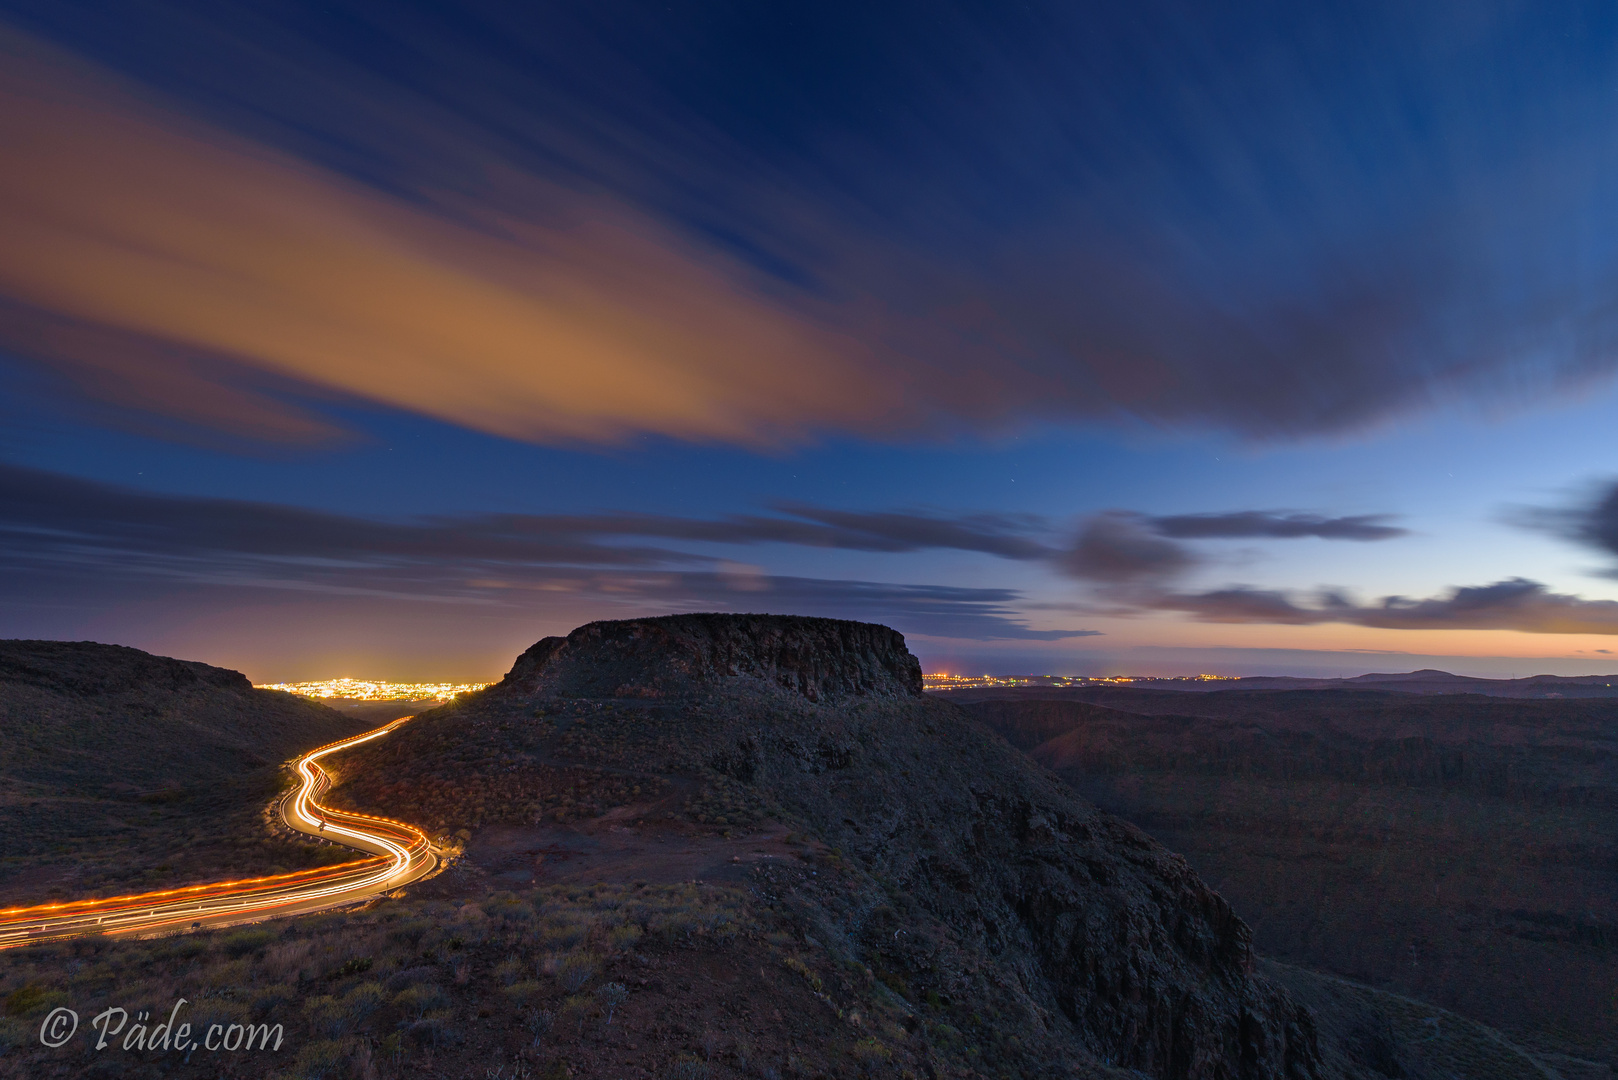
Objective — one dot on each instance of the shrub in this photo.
(612, 995)
(575, 971)
(325, 1016)
(362, 1001)
(320, 1059)
(419, 999)
(526, 990)
(410, 976)
(25, 999)
(243, 942)
(356, 965)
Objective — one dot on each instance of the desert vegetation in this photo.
(684, 980)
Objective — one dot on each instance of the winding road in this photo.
(399, 854)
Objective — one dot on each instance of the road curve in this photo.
(398, 854)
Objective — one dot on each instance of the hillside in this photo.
(798, 757)
(1455, 849)
(985, 919)
(125, 771)
(704, 847)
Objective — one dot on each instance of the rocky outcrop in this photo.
(819, 659)
(967, 878)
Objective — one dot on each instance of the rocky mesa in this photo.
(972, 890)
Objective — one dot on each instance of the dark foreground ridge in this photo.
(122, 771)
(969, 890)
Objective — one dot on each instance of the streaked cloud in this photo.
(1273, 223)
(1276, 525)
(1009, 536)
(1512, 604)
(130, 235)
(77, 536)
(1591, 522)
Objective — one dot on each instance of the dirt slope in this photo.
(120, 770)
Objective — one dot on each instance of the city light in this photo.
(944, 681)
(375, 690)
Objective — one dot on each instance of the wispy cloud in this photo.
(128, 234)
(1009, 536)
(1591, 522)
(1275, 223)
(1276, 525)
(1127, 549)
(1513, 604)
(104, 537)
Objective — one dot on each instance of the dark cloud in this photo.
(1120, 548)
(61, 517)
(1513, 604)
(1593, 523)
(568, 223)
(1275, 525)
(1004, 535)
(63, 536)
(1241, 605)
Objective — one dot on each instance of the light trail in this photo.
(399, 853)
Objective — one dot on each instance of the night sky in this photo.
(382, 339)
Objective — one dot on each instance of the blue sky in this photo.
(385, 339)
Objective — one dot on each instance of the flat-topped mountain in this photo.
(959, 888)
(821, 659)
(119, 768)
(697, 846)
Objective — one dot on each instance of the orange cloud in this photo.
(150, 250)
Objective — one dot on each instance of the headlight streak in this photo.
(405, 854)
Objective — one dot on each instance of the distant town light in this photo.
(942, 681)
(375, 690)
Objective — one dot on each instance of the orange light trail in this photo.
(406, 854)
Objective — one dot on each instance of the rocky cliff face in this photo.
(820, 659)
(968, 880)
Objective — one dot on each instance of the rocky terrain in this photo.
(702, 847)
(1462, 850)
(997, 923)
(122, 771)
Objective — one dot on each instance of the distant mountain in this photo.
(1429, 681)
(120, 769)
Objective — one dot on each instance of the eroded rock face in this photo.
(965, 877)
(820, 659)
